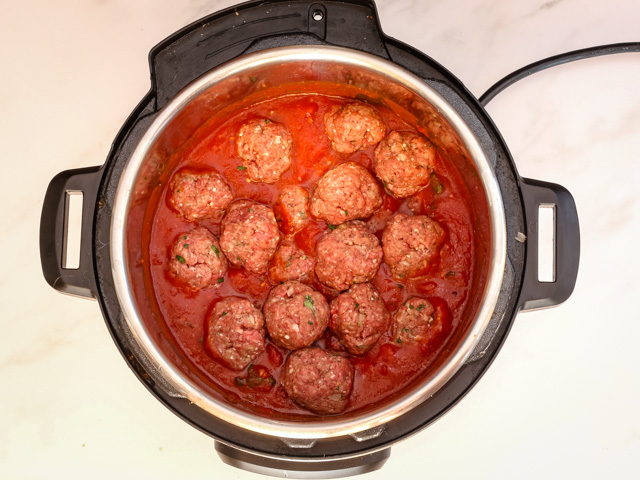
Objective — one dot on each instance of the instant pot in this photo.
(202, 69)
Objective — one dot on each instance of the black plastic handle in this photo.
(81, 281)
(220, 37)
(535, 294)
(302, 467)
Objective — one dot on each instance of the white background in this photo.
(562, 399)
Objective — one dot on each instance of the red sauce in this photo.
(181, 313)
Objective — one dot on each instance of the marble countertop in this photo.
(562, 399)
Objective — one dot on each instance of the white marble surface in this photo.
(562, 399)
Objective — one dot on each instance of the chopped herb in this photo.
(266, 120)
(400, 286)
(308, 302)
(332, 227)
(253, 79)
(221, 279)
(310, 322)
(215, 250)
(399, 340)
(411, 307)
(178, 190)
(223, 314)
(357, 305)
(180, 259)
(346, 213)
(435, 184)
(241, 167)
(303, 215)
(184, 237)
(420, 307)
(186, 245)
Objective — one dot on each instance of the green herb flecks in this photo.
(420, 307)
(332, 227)
(223, 314)
(435, 184)
(308, 302)
(215, 250)
(241, 167)
(221, 279)
(186, 245)
(180, 259)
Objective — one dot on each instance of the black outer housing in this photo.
(254, 26)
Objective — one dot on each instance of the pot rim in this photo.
(337, 425)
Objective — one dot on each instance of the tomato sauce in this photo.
(182, 313)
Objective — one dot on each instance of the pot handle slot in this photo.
(535, 293)
(303, 466)
(54, 222)
(204, 45)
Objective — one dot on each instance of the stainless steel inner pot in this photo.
(230, 85)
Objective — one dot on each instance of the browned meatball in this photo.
(265, 148)
(290, 263)
(196, 259)
(410, 244)
(250, 235)
(296, 315)
(359, 318)
(353, 127)
(404, 162)
(291, 208)
(317, 380)
(235, 332)
(415, 322)
(197, 196)
(347, 255)
(347, 192)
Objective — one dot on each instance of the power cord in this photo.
(585, 53)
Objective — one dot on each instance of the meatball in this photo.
(415, 322)
(359, 318)
(291, 208)
(249, 236)
(198, 196)
(290, 263)
(404, 162)
(196, 259)
(296, 315)
(235, 332)
(347, 255)
(353, 127)
(347, 192)
(317, 380)
(410, 244)
(265, 148)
